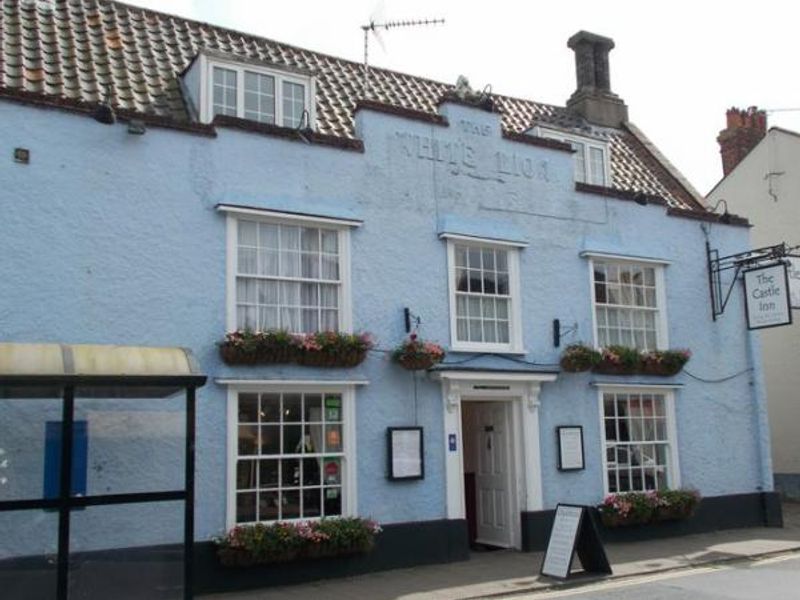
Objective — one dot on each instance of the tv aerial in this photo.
(374, 27)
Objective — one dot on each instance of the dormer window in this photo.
(591, 156)
(257, 94)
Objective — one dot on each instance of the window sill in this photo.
(487, 349)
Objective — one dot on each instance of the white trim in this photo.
(668, 392)
(349, 458)
(493, 376)
(638, 386)
(207, 65)
(482, 240)
(624, 257)
(522, 394)
(286, 216)
(232, 218)
(231, 257)
(515, 299)
(291, 382)
(662, 328)
(233, 455)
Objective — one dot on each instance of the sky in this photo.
(678, 65)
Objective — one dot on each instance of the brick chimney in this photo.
(593, 99)
(746, 127)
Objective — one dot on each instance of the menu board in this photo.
(405, 453)
(574, 532)
(560, 548)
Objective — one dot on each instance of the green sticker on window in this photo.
(333, 401)
(331, 493)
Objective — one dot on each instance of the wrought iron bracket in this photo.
(721, 293)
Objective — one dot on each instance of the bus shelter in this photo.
(93, 439)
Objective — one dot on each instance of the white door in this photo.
(492, 478)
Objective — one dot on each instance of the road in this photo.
(775, 578)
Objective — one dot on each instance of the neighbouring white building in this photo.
(762, 182)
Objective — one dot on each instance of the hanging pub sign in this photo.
(766, 295)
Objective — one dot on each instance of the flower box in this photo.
(280, 542)
(578, 358)
(321, 358)
(629, 509)
(321, 349)
(417, 355)
(621, 360)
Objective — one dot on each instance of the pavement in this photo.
(506, 572)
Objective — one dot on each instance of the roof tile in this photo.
(80, 47)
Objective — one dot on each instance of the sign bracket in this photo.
(721, 293)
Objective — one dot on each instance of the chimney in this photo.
(746, 127)
(593, 99)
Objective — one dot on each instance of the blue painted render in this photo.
(112, 238)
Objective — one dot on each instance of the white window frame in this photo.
(349, 460)
(515, 296)
(662, 330)
(207, 65)
(673, 468)
(587, 143)
(233, 215)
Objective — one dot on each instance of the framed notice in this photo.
(404, 449)
(570, 447)
(766, 296)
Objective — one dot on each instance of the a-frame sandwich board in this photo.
(574, 531)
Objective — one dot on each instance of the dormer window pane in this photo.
(224, 92)
(259, 97)
(293, 103)
(580, 161)
(597, 166)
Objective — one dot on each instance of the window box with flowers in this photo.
(621, 360)
(579, 357)
(322, 349)
(333, 349)
(259, 347)
(641, 508)
(415, 354)
(266, 543)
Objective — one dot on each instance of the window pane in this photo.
(245, 507)
(292, 408)
(332, 501)
(259, 97)
(246, 475)
(224, 91)
(268, 473)
(248, 440)
(461, 256)
(270, 439)
(248, 408)
(312, 505)
(268, 506)
(293, 103)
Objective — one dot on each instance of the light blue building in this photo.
(267, 193)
